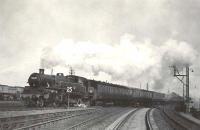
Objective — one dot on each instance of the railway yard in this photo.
(58, 102)
(97, 118)
(71, 102)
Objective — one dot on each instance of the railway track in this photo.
(51, 121)
(81, 122)
(148, 121)
(92, 120)
(128, 117)
(89, 119)
(34, 121)
(121, 121)
(178, 122)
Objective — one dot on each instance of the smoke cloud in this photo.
(50, 59)
(125, 63)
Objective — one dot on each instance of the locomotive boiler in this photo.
(53, 90)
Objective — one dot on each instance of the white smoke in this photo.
(128, 63)
(50, 59)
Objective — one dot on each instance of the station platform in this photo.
(189, 117)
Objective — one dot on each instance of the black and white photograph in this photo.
(99, 65)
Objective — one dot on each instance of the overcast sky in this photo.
(122, 41)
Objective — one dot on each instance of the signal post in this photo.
(186, 84)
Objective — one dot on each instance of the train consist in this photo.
(58, 90)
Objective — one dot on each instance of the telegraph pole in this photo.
(187, 89)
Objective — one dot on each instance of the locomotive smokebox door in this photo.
(90, 90)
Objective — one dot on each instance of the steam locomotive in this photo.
(58, 90)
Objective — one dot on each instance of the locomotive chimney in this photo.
(41, 71)
(52, 71)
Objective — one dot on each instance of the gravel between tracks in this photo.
(136, 121)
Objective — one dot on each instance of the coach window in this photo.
(137, 93)
(100, 89)
(107, 90)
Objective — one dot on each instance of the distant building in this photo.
(10, 92)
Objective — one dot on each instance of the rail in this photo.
(121, 121)
(147, 120)
(79, 125)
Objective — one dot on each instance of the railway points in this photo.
(81, 121)
(17, 119)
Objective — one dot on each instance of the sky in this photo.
(129, 42)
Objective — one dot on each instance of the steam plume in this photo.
(126, 63)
